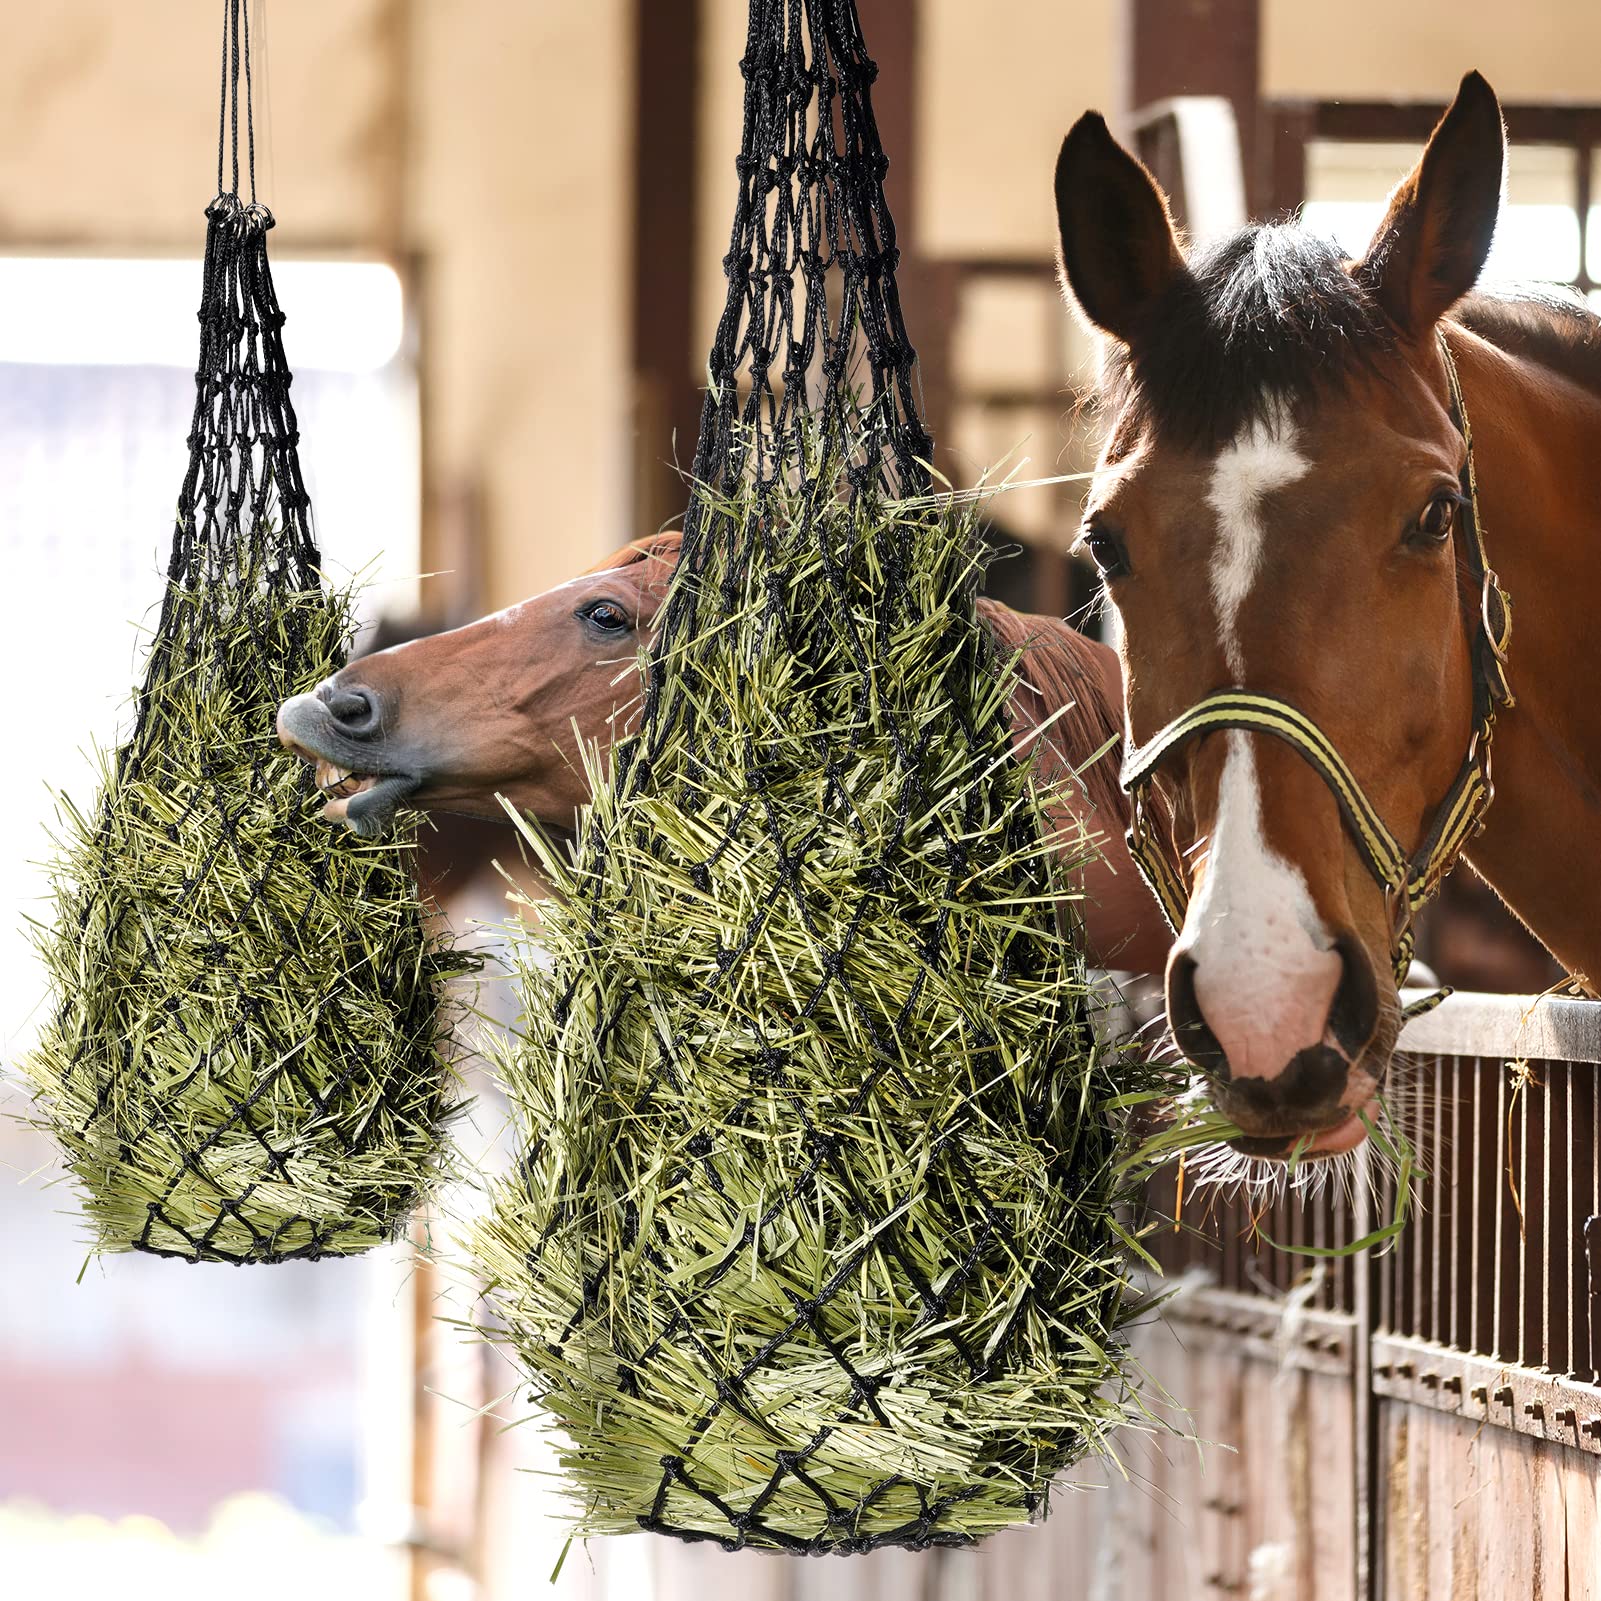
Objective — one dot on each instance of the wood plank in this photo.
(1582, 1537)
(1330, 1468)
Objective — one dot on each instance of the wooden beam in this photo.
(667, 121)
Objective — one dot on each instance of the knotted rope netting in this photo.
(246, 1059)
(812, 1245)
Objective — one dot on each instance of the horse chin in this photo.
(1335, 1139)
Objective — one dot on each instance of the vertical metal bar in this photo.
(1414, 1236)
(1497, 1180)
(1318, 1206)
(1386, 1264)
(1478, 1328)
(1296, 1207)
(1456, 1331)
(1230, 1219)
(1550, 1225)
(1554, 1232)
(1572, 1233)
(1436, 1163)
(1525, 1222)
(1365, 1424)
(1592, 1232)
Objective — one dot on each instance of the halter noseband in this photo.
(1408, 882)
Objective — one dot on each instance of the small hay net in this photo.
(246, 1056)
(812, 1243)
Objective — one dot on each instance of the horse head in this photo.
(1279, 516)
(451, 721)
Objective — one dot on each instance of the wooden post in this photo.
(666, 184)
(1202, 47)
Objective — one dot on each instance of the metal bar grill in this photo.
(1502, 1260)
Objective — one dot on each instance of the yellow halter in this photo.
(1408, 881)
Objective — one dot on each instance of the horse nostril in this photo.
(353, 707)
(1354, 1011)
(1190, 1031)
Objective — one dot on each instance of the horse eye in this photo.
(1438, 518)
(607, 616)
(1105, 548)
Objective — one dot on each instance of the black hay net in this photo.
(809, 1247)
(811, 344)
(245, 1062)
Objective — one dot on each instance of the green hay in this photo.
(247, 1054)
(782, 1286)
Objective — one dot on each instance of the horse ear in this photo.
(1432, 244)
(1119, 250)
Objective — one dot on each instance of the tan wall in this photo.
(722, 43)
(489, 140)
(1000, 86)
(1417, 49)
(108, 121)
(520, 198)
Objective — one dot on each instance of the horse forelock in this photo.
(1266, 321)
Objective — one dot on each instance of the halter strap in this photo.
(1407, 881)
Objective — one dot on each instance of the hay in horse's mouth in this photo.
(364, 802)
(342, 782)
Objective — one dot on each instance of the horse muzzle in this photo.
(365, 778)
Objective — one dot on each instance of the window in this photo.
(1537, 239)
(1342, 158)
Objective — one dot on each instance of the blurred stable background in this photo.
(499, 247)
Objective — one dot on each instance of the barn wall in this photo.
(520, 198)
(483, 147)
(1376, 49)
(108, 122)
(999, 86)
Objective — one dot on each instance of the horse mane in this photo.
(1542, 324)
(1058, 667)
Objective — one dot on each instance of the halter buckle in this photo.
(1399, 900)
(1492, 585)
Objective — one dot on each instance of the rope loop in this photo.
(236, 63)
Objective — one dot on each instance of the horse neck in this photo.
(1537, 449)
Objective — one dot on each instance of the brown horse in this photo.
(500, 708)
(1283, 512)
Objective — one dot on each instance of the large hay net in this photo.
(246, 1059)
(812, 1245)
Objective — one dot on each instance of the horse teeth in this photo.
(333, 780)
